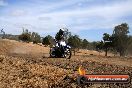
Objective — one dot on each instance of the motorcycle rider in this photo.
(60, 40)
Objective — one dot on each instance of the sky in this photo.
(87, 18)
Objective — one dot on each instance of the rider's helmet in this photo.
(62, 29)
(62, 33)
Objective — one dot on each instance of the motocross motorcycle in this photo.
(61, 50)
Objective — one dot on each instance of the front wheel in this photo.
(68, 54)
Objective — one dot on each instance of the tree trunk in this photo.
(74, 52)
(106, 51)
(122, 53)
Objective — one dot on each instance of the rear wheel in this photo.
(52, 53)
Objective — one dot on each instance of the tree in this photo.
(93, 45)
(99, 46)
(107, 42)
(75, 42)
(35, 37)
(3, 32)
(121, 39)
(67, 34)
(51, 40)
(25, 36)
(85, 44)
(129, 50)
(47, 40)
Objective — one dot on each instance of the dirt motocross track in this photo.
(27, 65)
